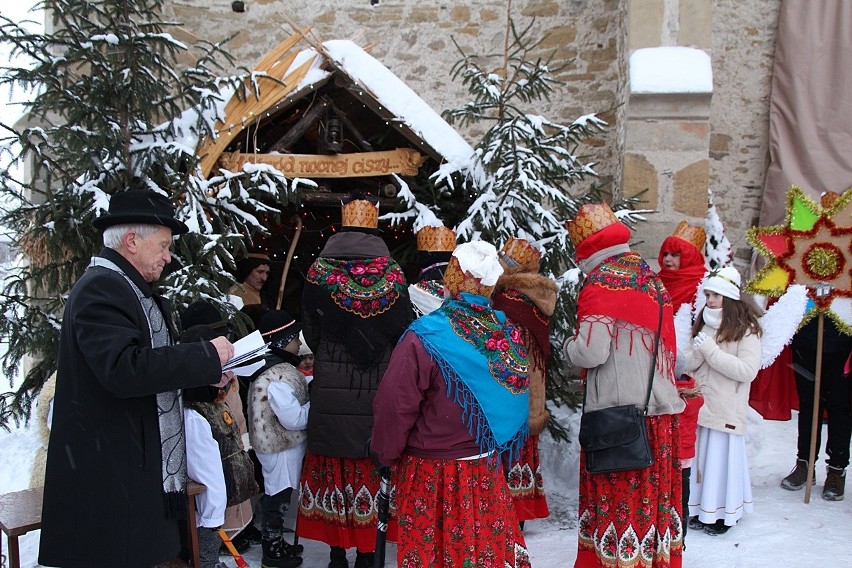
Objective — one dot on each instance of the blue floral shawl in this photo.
(484, 364)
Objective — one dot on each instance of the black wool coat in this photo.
(103, 497)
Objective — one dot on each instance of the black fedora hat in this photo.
(140, 206)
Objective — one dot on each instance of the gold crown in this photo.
(457, 280)
(436, 239)
(590, 219)
(522, 253)
(359, 213)
(691, 234)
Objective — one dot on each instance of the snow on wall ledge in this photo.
(670, 69)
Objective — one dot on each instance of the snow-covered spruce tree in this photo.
(112, 110)
(522, 182)
(719, 252)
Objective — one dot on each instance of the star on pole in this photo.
(813, 248)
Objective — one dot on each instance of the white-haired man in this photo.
(116, 462)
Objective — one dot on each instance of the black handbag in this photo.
(616, 438)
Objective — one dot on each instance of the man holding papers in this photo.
(116, 462)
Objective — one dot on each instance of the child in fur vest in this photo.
(278, 414)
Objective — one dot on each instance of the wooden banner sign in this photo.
(404, 161)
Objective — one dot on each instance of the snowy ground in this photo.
(781, 531)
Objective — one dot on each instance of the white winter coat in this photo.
(724, 371)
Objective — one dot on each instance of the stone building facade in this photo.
(672, 145)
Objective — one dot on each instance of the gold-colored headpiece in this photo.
(590, 219)
(457, 280)
(691, 234)
(436, 239)
(360, 213)
(522, 253)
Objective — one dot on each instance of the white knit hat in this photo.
(725, 281)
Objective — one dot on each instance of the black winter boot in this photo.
(717, 528)
(338, 558)
(365, 559)
(835, 483)
(274, 555)
(292, 549)
(240, 542)
(695, 524)
(797, 478)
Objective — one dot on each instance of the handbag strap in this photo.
(653, 357)
(656, 349)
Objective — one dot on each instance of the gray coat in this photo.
(617, 376)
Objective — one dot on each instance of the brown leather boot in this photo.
(835, 483)
(797, 478)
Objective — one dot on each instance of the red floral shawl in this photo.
(624, 287)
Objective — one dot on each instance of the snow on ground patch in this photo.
(782, 531)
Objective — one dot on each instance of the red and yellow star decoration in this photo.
(813, 247)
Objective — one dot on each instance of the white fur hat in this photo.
(725, 281)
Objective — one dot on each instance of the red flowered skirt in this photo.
(456, 514)
(525, 483)
(633, 518)
(337, 502)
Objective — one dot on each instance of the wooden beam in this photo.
(298, 130)
(333, 199)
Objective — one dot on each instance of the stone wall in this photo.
(720, 144)
(744, 35)
(414, 39)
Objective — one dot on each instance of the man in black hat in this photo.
(252, 273)
(116, 462)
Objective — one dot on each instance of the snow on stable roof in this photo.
(670, 70)
(310, 69)
(315, 73)
(398, 98)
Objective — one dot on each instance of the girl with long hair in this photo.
(724, 358)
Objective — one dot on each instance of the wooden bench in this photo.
(20, 513)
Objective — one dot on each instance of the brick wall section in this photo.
(740, 39)
(413, 39)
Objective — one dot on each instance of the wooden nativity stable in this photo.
(331, 113)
